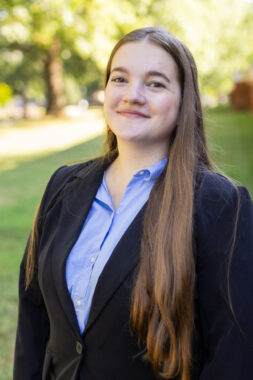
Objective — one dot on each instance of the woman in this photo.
(140, 263)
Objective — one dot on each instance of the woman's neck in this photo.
(132, 159)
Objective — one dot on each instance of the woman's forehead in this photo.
(143, 56)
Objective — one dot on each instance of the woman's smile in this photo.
(132, 114)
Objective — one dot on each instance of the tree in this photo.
(218, 33)
(47, 33)
(44, 40)
(38, 30)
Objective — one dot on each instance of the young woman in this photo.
(140, 263)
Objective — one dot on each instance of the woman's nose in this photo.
(134, 94)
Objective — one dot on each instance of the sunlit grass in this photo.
(230, 137)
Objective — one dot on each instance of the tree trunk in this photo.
(54, 79)
(25, 103)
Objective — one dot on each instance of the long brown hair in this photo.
(162, 299)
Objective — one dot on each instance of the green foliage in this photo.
(72, 91)
(23, 71)
(87, 76)
(219, 33)
(5, 93)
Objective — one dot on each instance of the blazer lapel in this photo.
(123, 259)
(76, 202)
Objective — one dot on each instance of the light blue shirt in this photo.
(100, 234)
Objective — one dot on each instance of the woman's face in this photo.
(142, 96)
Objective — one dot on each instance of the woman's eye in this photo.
(118, 80)
(156, 84)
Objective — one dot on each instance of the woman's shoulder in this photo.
(68, 172)
(221, 208)
(63, 177)
(72, 170)
(215, 193)
(213, 186)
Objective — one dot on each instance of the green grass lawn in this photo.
(230, 137)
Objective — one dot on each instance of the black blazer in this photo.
(49, 344)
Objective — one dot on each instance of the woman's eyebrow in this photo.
(147, 74)
(158, 74)
(120, 68)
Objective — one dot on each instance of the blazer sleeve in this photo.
(225, 279)
(33, 324)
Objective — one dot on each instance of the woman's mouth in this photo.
(132, 114)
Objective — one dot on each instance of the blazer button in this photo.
(79, 347)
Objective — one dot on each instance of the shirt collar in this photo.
(148, 174)
(152, 172)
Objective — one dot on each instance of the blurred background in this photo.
(53, 55)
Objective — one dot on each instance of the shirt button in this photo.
(79, 348)
(142, 172)
(92, 260)
(78, 303)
